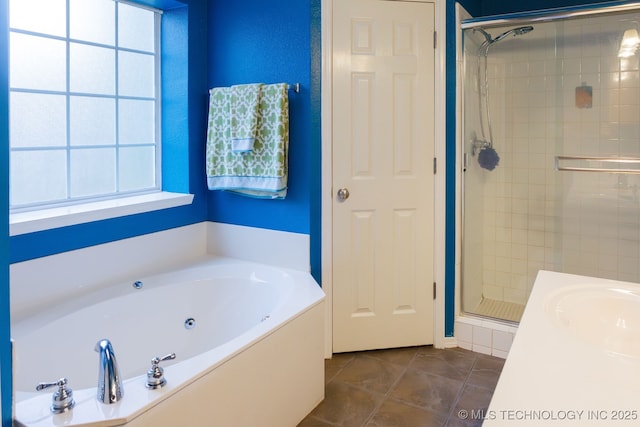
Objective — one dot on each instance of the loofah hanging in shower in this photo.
(488, 158)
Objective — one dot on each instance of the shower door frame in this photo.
(549, 15)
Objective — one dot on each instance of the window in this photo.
(84, 101)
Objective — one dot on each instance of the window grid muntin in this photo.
(156, 145)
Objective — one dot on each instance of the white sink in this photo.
(604, 316)
(577, 349)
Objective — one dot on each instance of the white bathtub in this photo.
(254, 357)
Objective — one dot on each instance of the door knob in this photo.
(343, 194)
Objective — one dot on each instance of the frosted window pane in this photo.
(137, 122)
(37, 63)
(93, 172)
(38, 176)
(72, 122)
(136, 74)
(136, 28)
(92, 69)
(41, 16)
(93, 121)
(137, 168)
(37, 120)
(93, 21)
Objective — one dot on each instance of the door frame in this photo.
(440, 341)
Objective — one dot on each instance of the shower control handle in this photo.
(343, 194)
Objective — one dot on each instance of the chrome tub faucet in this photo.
(109, 381)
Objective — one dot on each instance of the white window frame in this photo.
(69, 211)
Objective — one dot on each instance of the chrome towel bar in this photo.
(613, 161)
(295, 87)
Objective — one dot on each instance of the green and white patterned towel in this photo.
(244, 109)
(262, 172)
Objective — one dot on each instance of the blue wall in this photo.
(315, 140)
(278, 41)
(450, 172)
(253, 41)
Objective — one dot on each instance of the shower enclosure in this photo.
(551, 145)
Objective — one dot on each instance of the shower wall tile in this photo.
(493, 292)
(502, 341)
(464, 333)
(484, 336)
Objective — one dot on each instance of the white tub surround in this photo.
(258, 344)
(575, 359)
(280, 248)
(45, 282)
(39, 283)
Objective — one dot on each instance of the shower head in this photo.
(515, 31)
(523, 30)
(518, 31)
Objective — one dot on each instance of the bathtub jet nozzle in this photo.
(109, 381)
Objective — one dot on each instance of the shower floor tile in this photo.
(499, 309)
(406, 387)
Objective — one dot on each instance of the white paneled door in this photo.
(383, 174)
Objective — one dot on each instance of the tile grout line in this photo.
(459, 394)
(387, 394)
(448, 417)
(338, 371)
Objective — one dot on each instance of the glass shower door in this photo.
(551, 142)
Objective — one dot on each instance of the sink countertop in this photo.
(553, 376)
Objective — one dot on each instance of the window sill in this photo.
(45, 219)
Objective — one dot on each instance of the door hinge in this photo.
(434, 290)
(435, 165)
(435, 39)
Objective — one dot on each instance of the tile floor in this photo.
(408, 387)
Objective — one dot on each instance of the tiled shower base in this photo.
(509, 311)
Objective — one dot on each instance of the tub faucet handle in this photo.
(62, 400)
(155, 375)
